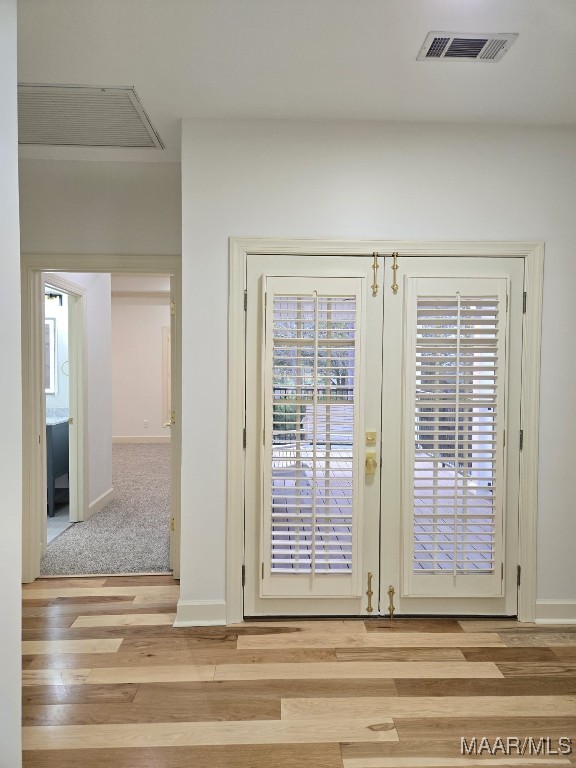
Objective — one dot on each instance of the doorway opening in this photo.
(125, 518)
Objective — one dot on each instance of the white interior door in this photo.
(314, 340)
(451, 421)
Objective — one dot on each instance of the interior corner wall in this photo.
(10, 392)
(382, 181)
(98, 370)
(137, 367)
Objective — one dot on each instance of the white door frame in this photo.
(533, 254)
(78, 471)
(33, 420)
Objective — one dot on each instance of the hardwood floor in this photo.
(109, 683)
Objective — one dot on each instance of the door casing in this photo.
(533, 255)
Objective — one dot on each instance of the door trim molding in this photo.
(34, 466)
(241, 248)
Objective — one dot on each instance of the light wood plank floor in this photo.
(108, 682)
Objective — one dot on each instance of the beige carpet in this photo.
(132, 533)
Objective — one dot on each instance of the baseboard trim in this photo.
(555, 612)
(200, 613)
(141, 439)
(99, 503)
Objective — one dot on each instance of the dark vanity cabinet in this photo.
(56, 461)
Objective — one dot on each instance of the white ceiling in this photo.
(301, 59)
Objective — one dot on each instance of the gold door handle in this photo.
(371, 465)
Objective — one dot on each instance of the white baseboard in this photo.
(99, 503)
(555, 612)
(141, 439)
(200, 613)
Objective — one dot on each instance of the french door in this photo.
(378, 399)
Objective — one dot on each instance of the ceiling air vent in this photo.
(83, 116)
(456, 45)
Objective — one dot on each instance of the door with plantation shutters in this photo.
(314, 338)
(382, 435)
(450, 511)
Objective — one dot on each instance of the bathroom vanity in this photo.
(56, 459)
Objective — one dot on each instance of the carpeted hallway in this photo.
(132, 533)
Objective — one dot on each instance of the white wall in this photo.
(100, 207)
(137, 371)
(381, 181)
(10, 395)
(98, 345)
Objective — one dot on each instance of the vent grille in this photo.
(83, 116)
(453, 45)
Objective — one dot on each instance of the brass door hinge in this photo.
(172, 524)
(173, 417)
(172, 309)
(262, 570)
(518, 575)
(244, 437)
(243, 575)
(521, 439)
(524, 300)
(502, 572)
(245, 300)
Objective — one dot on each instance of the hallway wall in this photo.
(10, 394)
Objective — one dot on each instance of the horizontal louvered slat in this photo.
(457, 349)
(312, 400)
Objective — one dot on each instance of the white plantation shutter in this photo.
(455, 368)
(312, 396)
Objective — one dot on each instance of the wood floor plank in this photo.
(342, 626)
(429, 729)
(32, 647)
(198, 709)
(357, 670)
(566, 652)
(161, 592)
(236, 756)
(207, 733)
(509, 654)
(154, 674)
(54, 676)
(506, 686)
(373, 640)
(537, 669)
(195, 655)
(403, 654)
(140, 581)
(413, 625)
(538, 638)
(419, 747)
(78, 694)
(422, 752)
(169, 634)
(494, 625)
(272, 689)
(448, 706)
(64, 583)
(125, 619)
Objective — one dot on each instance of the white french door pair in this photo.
(379, 395)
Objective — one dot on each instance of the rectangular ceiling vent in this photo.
(83, 116)
(456, 45)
